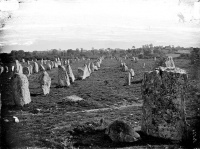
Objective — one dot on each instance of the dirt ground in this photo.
(65, 124)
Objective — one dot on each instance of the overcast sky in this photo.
(65, 24)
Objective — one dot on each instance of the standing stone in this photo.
(35, 68)
(164, 94)
(70, 73)
(55, 64)
(92, 67)
(1, 69)
(28, 63)
(63, 78)
(144, 65)
(89, 70)
(20, 89)
(23, 61)
(124, 68)
(26, 71)
(45, 82)
(41, 67)
(132, 73)
(48, 66)
(52, 64)
(30, 67)
(98, 64)
(128, 79)
(18, 67)
(170, 63)
(83, 72)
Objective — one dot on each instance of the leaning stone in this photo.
(20, 89)
(164, 95)
(119, 131)
(63, 78)
(45, 82)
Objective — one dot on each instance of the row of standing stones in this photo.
(15, 85)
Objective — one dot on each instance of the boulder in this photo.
(20, 89)
(164, 95)
(45, 82)
(119, 131)
(63, 78)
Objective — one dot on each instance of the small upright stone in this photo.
(20, 89)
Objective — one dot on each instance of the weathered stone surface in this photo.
(163, 93)
(45, 82)
(119, 131)
(70, 73)
(63, 78)
(35, 68)
(20, 89)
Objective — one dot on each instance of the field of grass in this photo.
(66, 124)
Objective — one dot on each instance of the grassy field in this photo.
(66, 124)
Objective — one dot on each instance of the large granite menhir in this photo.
(164, 95)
